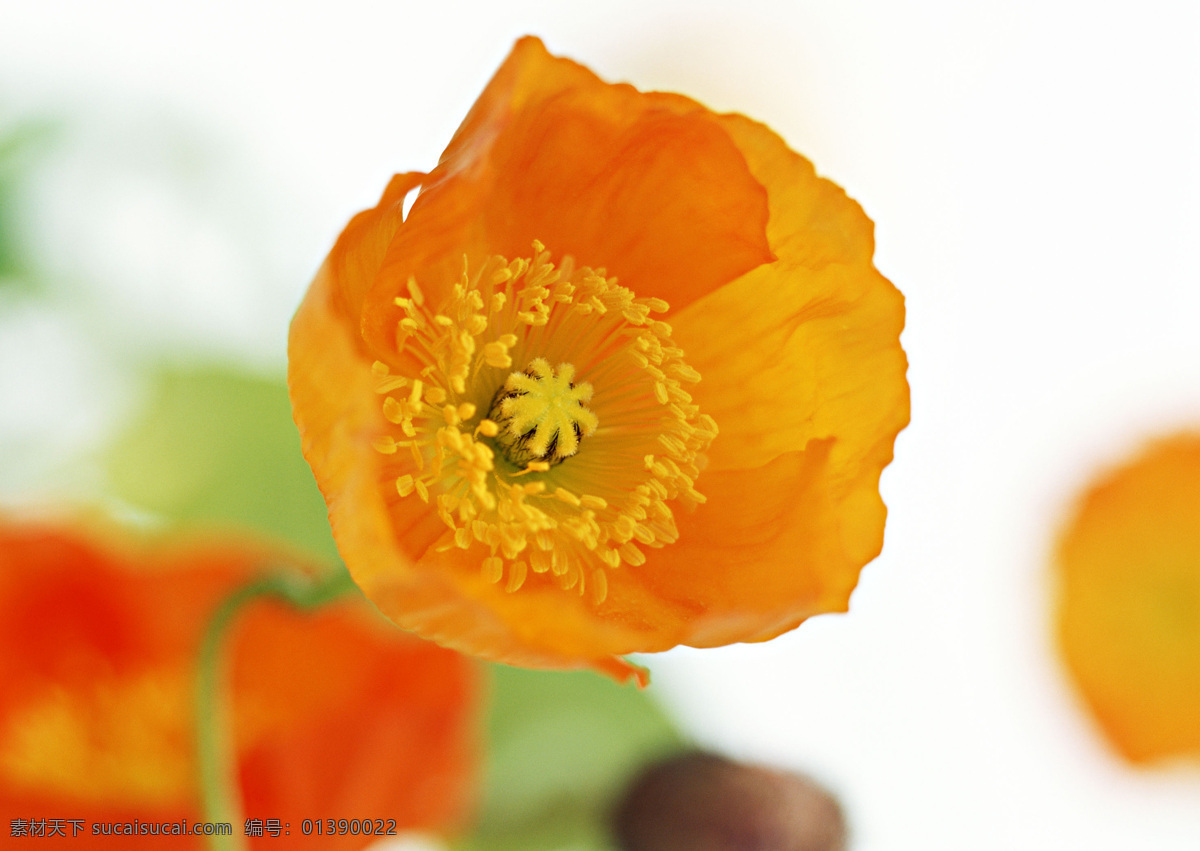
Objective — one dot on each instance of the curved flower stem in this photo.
(214, 735)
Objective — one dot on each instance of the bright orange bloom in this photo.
(528, 460)
(1129, 602)
(335, 715)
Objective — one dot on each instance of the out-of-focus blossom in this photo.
(1129, 602)
(335, 714)
(527, 460)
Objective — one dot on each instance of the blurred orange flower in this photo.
(336, 715)
(1129, 602)
(527, 460)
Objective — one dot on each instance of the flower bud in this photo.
(704, 802)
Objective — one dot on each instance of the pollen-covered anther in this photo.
(456, 405)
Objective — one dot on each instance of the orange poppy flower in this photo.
(1129, 602)
(336, 715)
(624, 377)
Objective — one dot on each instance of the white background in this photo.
(1033, 172)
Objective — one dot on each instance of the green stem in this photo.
(214, 734)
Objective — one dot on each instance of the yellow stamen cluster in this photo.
(547, 503)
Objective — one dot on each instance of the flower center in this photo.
(497, 482)
(540, 414)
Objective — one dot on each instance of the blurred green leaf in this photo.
(214, 446)
(561, 747)
(20, 149)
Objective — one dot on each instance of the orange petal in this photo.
(539, 626)
(1129, 602)
(360, 250)
(764, 552)
(339, 417)
(808, 346)
(797, 357)
(648, 186)
(663, 200)
(342, 717)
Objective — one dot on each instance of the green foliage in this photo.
(561, 747)
(214, 446)
(20, 148)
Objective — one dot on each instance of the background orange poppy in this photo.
(335, 714)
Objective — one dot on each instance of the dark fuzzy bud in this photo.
(703, 802)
